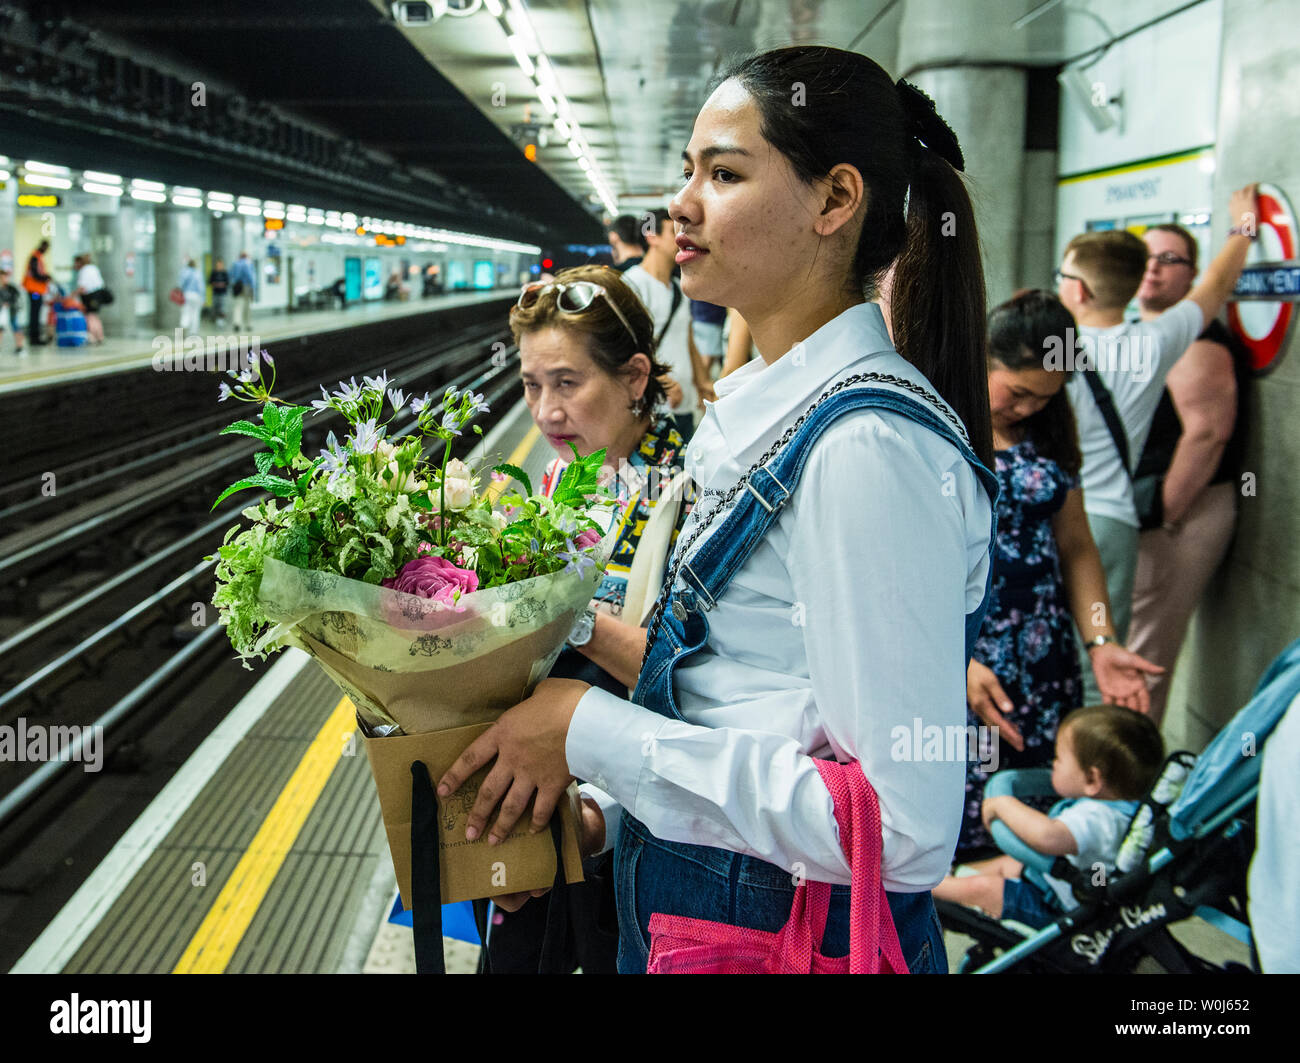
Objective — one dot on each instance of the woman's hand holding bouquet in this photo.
(433, 608)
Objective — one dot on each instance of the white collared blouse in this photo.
(842, 635)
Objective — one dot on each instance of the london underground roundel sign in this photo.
(1263, 306)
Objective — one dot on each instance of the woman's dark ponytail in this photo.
(937, 299)
(848, 110)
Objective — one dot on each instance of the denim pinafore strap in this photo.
(653, 875)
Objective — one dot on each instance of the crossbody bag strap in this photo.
(677, 301)
(1106, 404)
(761, 486)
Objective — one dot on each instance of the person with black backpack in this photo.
(1185, 482)
(1122, 368)
(653, 281)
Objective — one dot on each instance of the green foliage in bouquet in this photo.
(368, 506)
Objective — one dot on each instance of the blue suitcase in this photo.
(69, 327)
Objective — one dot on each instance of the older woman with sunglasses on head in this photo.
(586, 357)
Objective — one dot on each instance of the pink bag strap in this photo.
(872, 935)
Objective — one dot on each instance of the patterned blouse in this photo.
(648, 471)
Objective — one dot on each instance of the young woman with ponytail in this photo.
(825, 594)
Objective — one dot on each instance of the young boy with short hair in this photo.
(1107, 757)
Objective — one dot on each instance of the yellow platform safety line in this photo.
(214, 943)
(498, 487)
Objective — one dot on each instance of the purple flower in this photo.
(349, 392)
(576, 559)
(366, 436)
(418, 406)
(451, 422)
(266, 357)
(223, 392)
(323, 403)
(397, 398)
(586, 539)
(379, 383)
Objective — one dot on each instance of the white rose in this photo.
(458, 493)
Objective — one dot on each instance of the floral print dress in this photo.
(1028, 633)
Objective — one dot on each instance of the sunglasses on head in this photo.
(572, 297)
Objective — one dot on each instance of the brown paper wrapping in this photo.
(441, 676)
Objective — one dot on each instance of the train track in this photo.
(104, 622)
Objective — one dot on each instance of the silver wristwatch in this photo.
(582, 628)
(1100, 640)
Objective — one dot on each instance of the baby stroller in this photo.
(1186, 852)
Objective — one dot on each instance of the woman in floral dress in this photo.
(1047, 574)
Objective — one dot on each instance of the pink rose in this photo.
(587, 538)
(433, 577)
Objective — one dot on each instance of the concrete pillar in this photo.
(973, 64)
(227, 238)
(985, 106)
(8, 228)
(112, 238)
(175, 242)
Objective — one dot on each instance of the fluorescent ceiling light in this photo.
(45, 167)
(148, 194)
(584, 162)
(45, 181)
(562, 127)
(494, 7)
(521, 55)
(101, 178)
(517, 20)
(102, 189)
(187, 201)
(548, 101)
(189, 193)
(252, 212)
(546, 74)
(148, 186)
(575, 148)
(5, 175)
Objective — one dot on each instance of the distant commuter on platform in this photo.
(191, 286)
(1116, 395)
(1187, 476)
(219, 282)
(10, 300)
(707, 321)
(653, 281)
(36, 281)
(243, 289)
(93, 293)
(626, 242)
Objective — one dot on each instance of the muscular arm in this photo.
(1204, 390)
(617, 647)
(1221, 275)
(1085, 579)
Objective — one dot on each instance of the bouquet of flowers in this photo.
(431, 607)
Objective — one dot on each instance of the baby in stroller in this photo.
(1107, 757)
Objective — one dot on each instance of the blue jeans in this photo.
(652, 875)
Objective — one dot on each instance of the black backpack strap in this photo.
(426, 882)
(1106, 404)
(677, 301)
